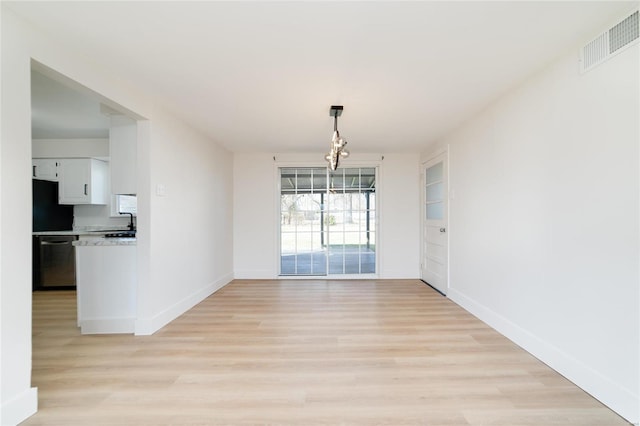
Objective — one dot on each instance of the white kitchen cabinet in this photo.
(106, 288)
(123, 147)
(45, 168)
(83, 181)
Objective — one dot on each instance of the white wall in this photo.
(172, 274)
(70, 148)
(256, 212)
(18, 399)
(255, 222)
(97, 215)
(544, 222)
(191, 224)
(399, 216)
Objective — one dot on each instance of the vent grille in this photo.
(624, 33)
(596, 51)
(610, 42)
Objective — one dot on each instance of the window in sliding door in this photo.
(352, 221)
(302, 237)
(327, 221)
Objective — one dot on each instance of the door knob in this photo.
(442, 230)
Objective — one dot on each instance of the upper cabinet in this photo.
(83, 181)
(45, 168)
(123, 147)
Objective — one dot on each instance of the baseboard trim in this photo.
(611, 394)
(107, 326)
(258, 274)
(20, 407)
(148, 326)
(263, 274)
(397, 274)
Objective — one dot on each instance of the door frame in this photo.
(434, 155)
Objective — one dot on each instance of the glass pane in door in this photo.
(351, 210)
(434, 195)
(302, 247)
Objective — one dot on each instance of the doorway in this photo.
(435, 212)
(73, 130)
(327, 221)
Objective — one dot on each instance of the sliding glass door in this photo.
(327, 221)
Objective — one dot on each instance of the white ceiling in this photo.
(58, 112)
(261, 76)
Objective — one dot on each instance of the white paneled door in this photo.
(434, 223)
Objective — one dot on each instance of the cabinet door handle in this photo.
(34, 171)
(85, 189)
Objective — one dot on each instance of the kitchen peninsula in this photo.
(106, 284)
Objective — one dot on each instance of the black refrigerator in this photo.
(53, 255)
(48, 215)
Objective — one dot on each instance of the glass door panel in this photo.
(351, 250)
(434, 194)
(302, 247)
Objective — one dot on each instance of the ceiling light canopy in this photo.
(337, 146)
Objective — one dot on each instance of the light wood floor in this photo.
(300, 353)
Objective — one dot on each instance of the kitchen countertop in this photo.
(97, 232)
(38, 233)
(106, 242)
(83, 231)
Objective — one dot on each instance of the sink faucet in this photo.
(131, 227)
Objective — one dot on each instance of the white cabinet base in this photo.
(106, 288)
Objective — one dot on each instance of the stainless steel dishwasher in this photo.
(56, 262)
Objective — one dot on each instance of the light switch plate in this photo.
(161, 190)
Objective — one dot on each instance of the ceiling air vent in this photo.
(611, 42)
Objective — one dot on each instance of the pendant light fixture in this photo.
(337, 146)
